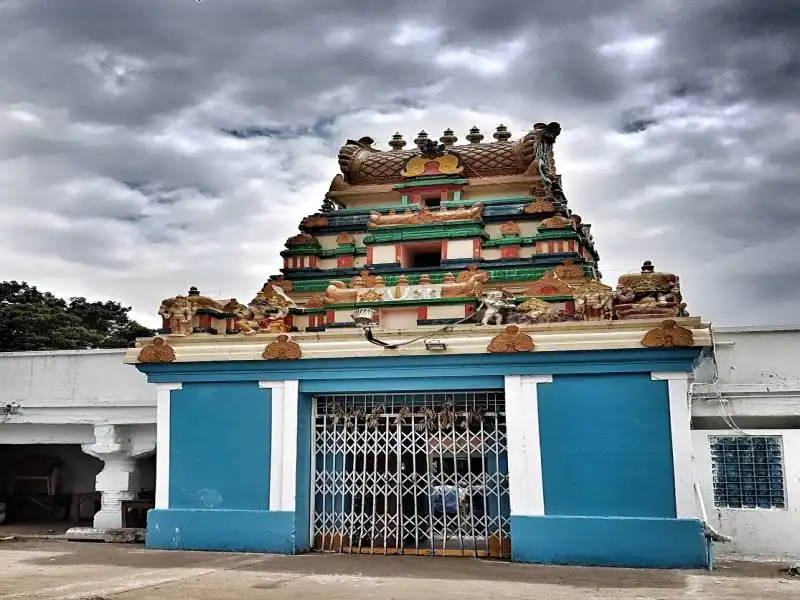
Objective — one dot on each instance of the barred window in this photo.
(747, 471)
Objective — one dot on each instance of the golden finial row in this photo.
(501, 134)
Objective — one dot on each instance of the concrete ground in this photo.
(61, 570)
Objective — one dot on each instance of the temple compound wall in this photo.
(746, 440)
(60, 397)
(77, 436)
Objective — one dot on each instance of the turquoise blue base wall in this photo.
(606, 448)
(610, 542)
(221, 530)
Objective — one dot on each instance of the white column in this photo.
(680, 420)
(526, 493)
(283, 445)
(162, 441)
(118, 480)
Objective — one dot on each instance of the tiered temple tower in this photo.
(437, 369)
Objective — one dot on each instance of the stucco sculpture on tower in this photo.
(402, 229)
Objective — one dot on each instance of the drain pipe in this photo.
(713, 533)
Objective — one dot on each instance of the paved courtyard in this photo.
(60, 570)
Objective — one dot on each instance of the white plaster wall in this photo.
(90, 386)
(327, 263)
(757, 533)
(398, 318)
(383, 254)
(34, 433)
(752, 355)
(327, 242)
(494, 231)
(491, 253)
(446, 311)
(528, 228)
(459, 249)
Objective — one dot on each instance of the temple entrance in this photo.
(411, 474)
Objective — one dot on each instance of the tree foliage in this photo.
(34, 320)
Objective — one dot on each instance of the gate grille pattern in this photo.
(411, 474)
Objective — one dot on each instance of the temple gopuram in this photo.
(438, 369)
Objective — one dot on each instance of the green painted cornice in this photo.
(444, 231)
(512, 274)
(426, 182)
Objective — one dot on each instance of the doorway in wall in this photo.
(422, 255)
(409, 473)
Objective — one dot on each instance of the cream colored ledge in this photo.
(464, 339)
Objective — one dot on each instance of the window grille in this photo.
(747, 471)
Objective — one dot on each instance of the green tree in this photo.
(34, 320)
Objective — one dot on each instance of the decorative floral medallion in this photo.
(511, 340)
(669, 335)
(282, 349)
(556, 222)
(157, 352)
(345, 238)
(539, 206)
(509, 229)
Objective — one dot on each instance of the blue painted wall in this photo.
(303, 482)
(341, 373)
(220, 446)
(610, 542)
(606, 451)
(606, 446)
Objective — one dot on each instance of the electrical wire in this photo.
(446, 329)
(727, 418)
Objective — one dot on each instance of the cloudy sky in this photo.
(150, 145)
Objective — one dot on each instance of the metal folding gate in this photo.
(411, 474)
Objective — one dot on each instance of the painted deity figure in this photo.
(178, 312)
(594, 302)
(496, 305)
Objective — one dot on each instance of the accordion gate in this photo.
(411, 474)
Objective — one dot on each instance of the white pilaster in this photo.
(680, 420)
(162, 441)
(118, 480)
(526, 493)
(283, 445)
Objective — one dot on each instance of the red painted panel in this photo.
(570, 307)
(509, 252)
(422, 312)
(344, 261)
(369, 255)
(330, 316)
(469, 309)
(476, 248)
(444, 249)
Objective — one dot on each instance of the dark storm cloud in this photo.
(186, 139)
